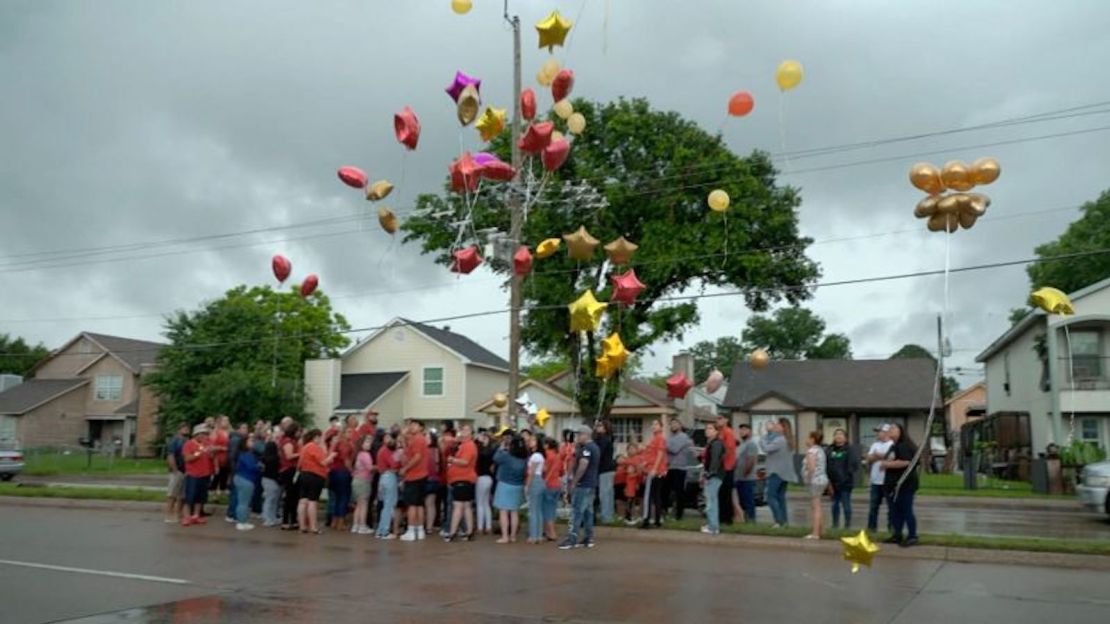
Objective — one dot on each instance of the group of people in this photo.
(407, 481)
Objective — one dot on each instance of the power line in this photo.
(674, 298)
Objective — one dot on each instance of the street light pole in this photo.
(516, 224)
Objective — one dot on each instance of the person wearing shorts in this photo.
(175, 488)
(462, 475)
(313, 467)
(198, 473)
(414, 471)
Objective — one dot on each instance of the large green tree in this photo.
(222, 358)
(909, 351)
(17, 357)
(794, 334)
(1090, 232)
(642, 174)
(720, 354)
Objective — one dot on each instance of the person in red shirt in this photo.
(553, 479)
(655, 471)
(414, 471)
(198, 473)
(388, 487)
(313, 465)
(631, 467)
(462, 474)
(339, 477)
(369, 426)
(219, 439)
(728, 505)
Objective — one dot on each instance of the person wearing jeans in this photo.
(901, 483)
(711, 479)
(387, 464)
(534, 489)
(271, 487)
(843, 463)
(877, 477)
(680, 456)
(778, 445)
(607, 470)
(583, 481)
(247, 470)
(744, 474)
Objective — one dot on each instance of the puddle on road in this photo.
(201, 610)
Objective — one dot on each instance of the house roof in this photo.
(131, 409)
(30, 394)
(898, 384)
(133, 353)
(651, 392)
(358, 390)
(966, 391)
(476, 353)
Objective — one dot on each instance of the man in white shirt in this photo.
(875, 456)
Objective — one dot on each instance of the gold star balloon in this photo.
(580, 245)
(585, 312)
(547, 247)
(491, 123)
(614, 349)
(542, 417)
(620, 251)
(603, 368)
(860, 550)
(553, 30)
(1052, 300)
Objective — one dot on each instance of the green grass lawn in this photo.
(48, 464)
(953, 485)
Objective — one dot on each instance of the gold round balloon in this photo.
(387, 220)
(956, 176)
(563, 108)
(967, 220)
(926, 177)
(926, 207)
(576, 123)
(947, 205)
(719, 200)
(759, 359)
(500, 400)
(985, 171)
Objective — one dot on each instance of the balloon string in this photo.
(605, 28)
(724, 261)
(1071, 380)
(782, 131)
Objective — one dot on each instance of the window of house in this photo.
(7, 427)
(1086, 354)
(1088, 430)
(627, 430)
(109, 387)
(433, 381)
(760, 421)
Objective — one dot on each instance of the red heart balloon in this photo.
(407, 128)
(308, 286)
(466, 260)
(537, 137)
(464, 173)
(555, 154)
(498, 170)
(282, 268)
(562, 85)
(522, 261)
(353, 177)
(528, 104)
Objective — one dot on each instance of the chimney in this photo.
(683, 362)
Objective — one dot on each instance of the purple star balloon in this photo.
(461, 82)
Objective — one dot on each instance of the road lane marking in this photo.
(124, 575)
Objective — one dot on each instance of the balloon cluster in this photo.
(282, 268)
(948, 211)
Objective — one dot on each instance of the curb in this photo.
(666, 536)
(929, 553)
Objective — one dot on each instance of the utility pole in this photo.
(516, 224)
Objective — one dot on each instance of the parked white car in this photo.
(1094, 486)
(11, 460)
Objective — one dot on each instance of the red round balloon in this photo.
(353, 177)
(528, 104)
(555, 154)
(308, 286)
(741, 103)
(282, 268)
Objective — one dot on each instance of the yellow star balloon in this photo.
(491, 123)
(620, 251)
(603, 368)
(379, 190)
(585, 312)
(1052, 300)
(553, 30)
(860, 550)
(580, 245)
(614, 349)
(542, 417)
(548, 247)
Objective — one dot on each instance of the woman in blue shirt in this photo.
(511, 461)
(248, 471)
(778, 445)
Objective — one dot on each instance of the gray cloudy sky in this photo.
(136, 122)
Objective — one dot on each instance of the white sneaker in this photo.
(355, 528)
(409, 536)
(229, 519)
(365, 530)
(811, 536)
(387, 537)
(420, 533)
(244, 526)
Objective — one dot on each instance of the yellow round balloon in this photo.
(564, 109)
(576, 123)
(759, 359)
(789, 75)
(956, 176)
(926, 177)
(985, 171)
(556, 135)
(500, 400)
(719, 200)
(462, 7)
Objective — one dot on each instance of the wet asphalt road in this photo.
(215, 574)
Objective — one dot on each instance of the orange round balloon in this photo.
(741, 103)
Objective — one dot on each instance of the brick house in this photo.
(91, 388)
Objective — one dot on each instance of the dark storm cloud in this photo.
(126, 122)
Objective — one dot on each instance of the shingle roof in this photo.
(358, 390)
(22, 398)
(131, 409)
(133, 352)
(460, 344)
(837, 384)
(649, 391)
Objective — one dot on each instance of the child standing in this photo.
(360, 485)
(817, 479)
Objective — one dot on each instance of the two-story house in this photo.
(406, 370)
(91, 388)
(1066, 391)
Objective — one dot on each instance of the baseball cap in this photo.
(199, 429)
(583, 429)
(885, 427)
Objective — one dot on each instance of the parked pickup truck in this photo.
(1093, 488)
